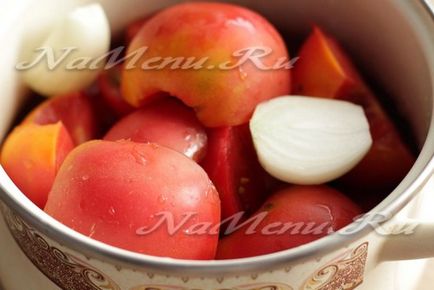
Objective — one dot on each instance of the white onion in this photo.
(87, 30)
(306, 140)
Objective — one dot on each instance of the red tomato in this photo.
(109, 87)
(115, 191)
(168, 123)
(208, 32)
(290, 214)
(232, 164)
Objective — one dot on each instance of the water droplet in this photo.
(112, 211)
(242, 73)
(154, 146)
(85, 177)
(191, 150)
(139, 157)
(195, 141)
(92, 230)
(187, 231)
(162, 198)
(188, 136)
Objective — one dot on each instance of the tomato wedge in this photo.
(232, 165)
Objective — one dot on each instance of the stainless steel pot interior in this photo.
(393, 42)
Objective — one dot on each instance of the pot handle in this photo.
(406, 238)
(410, 239)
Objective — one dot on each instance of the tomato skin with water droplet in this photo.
(313, 211)
(126, 187)
(169, 123)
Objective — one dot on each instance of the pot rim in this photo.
(406, 190)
